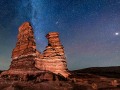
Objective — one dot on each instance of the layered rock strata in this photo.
(23, 55)
(53, 58)
(27, 61)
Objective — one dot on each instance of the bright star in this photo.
(117, 33)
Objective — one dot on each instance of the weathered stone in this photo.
(26, 60)
(53, 59)
(26, 43)
(23, 55)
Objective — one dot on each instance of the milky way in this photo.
(36, 21)
(89, 29)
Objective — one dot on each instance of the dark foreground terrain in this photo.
(97, 78)
(111, 72)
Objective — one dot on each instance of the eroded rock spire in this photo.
(25, 42)
(23, 55)
(53, 58)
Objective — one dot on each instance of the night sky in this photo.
(89, 29)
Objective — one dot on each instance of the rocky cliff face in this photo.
(26, 60)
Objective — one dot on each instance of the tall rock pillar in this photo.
(23, 55)
(55, 44)
(53, 58)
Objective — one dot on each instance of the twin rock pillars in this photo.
(25, 57)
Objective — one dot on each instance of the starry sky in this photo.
(89, 29)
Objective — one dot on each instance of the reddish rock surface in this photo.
(53, 58)
(23, 55)
(26, 60)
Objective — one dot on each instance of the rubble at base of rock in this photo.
(28, 61)
(29, 75)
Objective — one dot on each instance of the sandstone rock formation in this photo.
(42, 70)
(53, 58)
(27, 61)
(23, 55)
